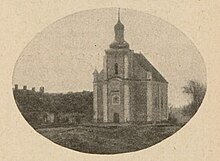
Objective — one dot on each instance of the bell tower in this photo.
(116, 87)
(116, 59)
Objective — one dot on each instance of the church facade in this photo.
(129, 88)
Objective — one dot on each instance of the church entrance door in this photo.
(116, 118)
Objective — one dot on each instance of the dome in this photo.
(119, 26)
(119, 41)
(118, 45)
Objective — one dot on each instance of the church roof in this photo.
(119, 44)
(146, 65)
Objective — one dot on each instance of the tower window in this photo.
(116, 68)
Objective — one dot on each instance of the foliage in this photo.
(181, 115)
(78, 103)
(197, 91)
(172, 119)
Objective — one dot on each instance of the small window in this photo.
(149, 76)
(116, 68)
(115, 100)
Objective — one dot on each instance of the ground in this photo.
(109, 139)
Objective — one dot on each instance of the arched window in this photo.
(116, 68)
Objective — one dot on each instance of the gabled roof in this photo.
(146, 65)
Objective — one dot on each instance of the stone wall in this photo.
(117, 56)
(115, 87)
(139, 106)
(160, 107)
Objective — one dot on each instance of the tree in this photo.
(33, 104)
(197, 91)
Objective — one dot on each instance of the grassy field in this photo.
(108, 139)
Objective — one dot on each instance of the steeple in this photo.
(119, 41)
(118, 14)
(95, 75)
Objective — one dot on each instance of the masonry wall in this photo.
(159, 94)
(138, 101)
(99, 102)
(138, 72)
(115, 87)
(164, 103)
(126, 101)
(95, 102)
(147, 99)
(112, 59)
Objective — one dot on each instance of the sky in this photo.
(64, 55)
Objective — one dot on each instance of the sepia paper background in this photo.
(21, 20)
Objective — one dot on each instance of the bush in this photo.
(172, 119)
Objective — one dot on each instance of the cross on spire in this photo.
(118, 14)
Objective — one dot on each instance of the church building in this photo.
(129, 88)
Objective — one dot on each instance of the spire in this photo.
(95, 75)
(119, 41)
(95, 72)
(119, 14)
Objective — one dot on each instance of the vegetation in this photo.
(197, 91)
(34, 104)
(180, 115)
(108, 139)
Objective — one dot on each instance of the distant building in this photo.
(41, 89)
(16, 89)
(33, 89)
(39, 108)
(129, 88)
(24, 96)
